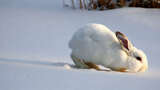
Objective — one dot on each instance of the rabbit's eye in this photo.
(139, 58)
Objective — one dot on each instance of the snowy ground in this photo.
(34, 53)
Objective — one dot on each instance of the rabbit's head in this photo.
(137, 60)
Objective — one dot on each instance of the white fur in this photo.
(97, 44)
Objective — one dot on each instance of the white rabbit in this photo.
(95, 44)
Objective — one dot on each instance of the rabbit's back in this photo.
(93, 42)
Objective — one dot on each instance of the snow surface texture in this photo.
(34, 53)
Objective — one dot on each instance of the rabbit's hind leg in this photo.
(92, 66)
(79, 62)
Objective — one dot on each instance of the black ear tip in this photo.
(117, 33)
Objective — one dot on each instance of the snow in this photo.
(34, 53)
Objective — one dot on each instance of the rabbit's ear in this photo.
(125, 43)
